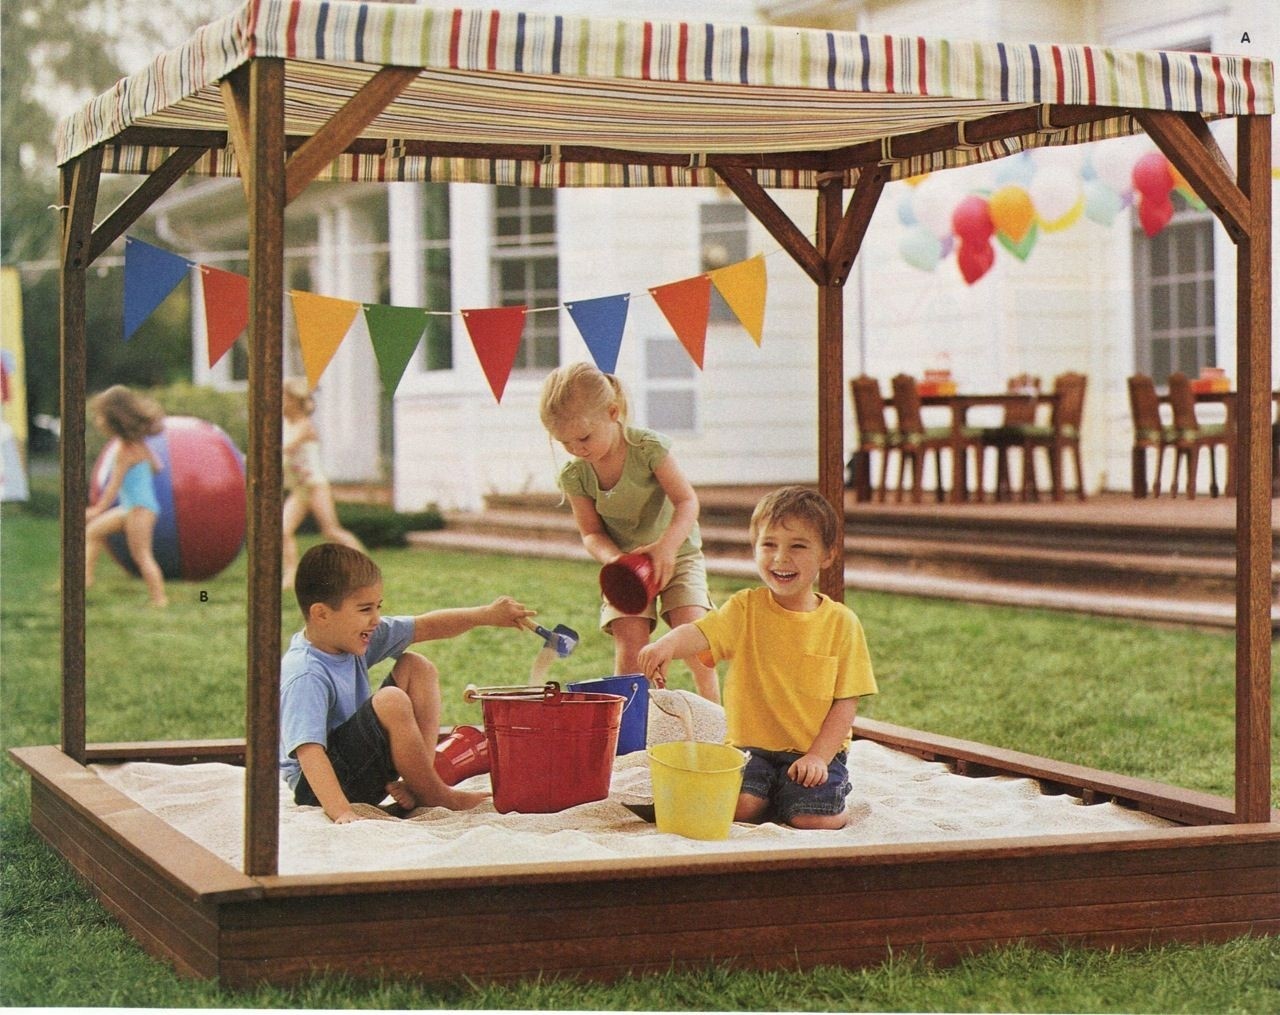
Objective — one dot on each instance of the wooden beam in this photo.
(1197, 157)
(831, 379)
(263, 171)
(146, 194)
(1253, 466)
(776, 221)
(853, 226)
(235, 100)
(345, 126)
(79, 199)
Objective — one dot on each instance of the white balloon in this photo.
(1113, 163)
(1054, 192)
(933, 202)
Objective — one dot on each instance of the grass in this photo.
(1127, 698)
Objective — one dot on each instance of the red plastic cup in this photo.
(462, 754)
(628, 583)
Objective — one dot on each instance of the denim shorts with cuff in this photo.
(360, 754)
(766, 777)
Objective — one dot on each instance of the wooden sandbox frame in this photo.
(1214, 877)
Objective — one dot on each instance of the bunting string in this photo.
(152, 273)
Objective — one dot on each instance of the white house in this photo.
(1103, 299)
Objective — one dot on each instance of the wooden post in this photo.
(79, 198)
(1253, 467)
(831, 377)
(263, 168)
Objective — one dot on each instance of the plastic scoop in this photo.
(563, 640)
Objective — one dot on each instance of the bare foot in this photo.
(463, 800)
(401, 794)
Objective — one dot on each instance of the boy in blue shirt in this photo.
(339, 743)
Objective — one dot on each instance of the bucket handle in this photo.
(550, 691)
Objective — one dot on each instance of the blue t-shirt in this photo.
(319, 691)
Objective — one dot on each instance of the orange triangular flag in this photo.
(743, 287)
(226, 309)
(323, 321)
(495, 335)
(686, 305)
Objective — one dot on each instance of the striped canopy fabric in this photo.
(514, 98)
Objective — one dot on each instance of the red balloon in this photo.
(975, 260)
(1153, 176)
(1154, 214)
(971, 220)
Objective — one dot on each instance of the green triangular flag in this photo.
(394, 332)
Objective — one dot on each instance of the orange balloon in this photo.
(1012, 212)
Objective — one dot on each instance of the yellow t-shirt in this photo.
(785, 668)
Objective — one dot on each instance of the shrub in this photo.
(376, 525)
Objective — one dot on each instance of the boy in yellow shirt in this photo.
(798, 663)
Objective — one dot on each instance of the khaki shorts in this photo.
(687, 587)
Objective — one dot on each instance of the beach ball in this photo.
(201, 489)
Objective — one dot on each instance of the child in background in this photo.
(130, 418)
(304, 479)
(339, 743)
(798, 663)
(628, 495)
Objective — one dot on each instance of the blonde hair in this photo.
(578, 391)
(298, 391)
(800, 504)
(127, 414)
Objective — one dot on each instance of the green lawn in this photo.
(1147, 702)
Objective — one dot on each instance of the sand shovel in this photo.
(558, 644)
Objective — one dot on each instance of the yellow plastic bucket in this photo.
(695, 787)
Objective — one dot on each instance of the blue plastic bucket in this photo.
(634, 732)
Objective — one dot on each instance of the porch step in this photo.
(1129, 574)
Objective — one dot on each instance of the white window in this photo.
(722, 240)
(1174, 297)
(526, 268)
(671, 397)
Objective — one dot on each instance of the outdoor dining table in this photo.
(960, 404)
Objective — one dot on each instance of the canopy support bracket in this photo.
(146, 193)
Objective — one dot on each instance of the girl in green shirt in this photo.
(628, 495)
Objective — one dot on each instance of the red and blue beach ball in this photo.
(201, 489)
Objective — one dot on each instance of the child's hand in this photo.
(506, 612)
(809, 771)
(346, 817)
(664, 562)
(653, 661)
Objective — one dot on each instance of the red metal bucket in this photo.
(550, 749)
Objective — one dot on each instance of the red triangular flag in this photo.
(687, 305)
(495, 334)
(226, 309)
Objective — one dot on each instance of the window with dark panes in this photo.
(527, 269)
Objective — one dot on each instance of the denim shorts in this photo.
(360, 754)
(766, 777)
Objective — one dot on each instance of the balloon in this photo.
(971, 220)
(933, 202)
(1184, 188)
(1055, 192)
(905, 215)
(975, 260)
(1101, 203)
(1153, 175)
(1154, 214)
(1069, 219)
(915, 181)
(1012, 212)
(1016, 170)
(920, 249)
(1113, 163)
(1021, 248)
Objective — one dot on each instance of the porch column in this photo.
(831, 376)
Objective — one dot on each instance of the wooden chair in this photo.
(1062, 434)
(874, 436)
(1149, 432)
(1190, 435)
(1011, 433)
(917, 440)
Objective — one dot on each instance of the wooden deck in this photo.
(1205, 880)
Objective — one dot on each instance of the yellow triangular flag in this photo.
(323, 322)
(743, 287)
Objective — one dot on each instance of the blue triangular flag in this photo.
(150, 274)
(601, 321)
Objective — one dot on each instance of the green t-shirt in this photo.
(636, 511)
